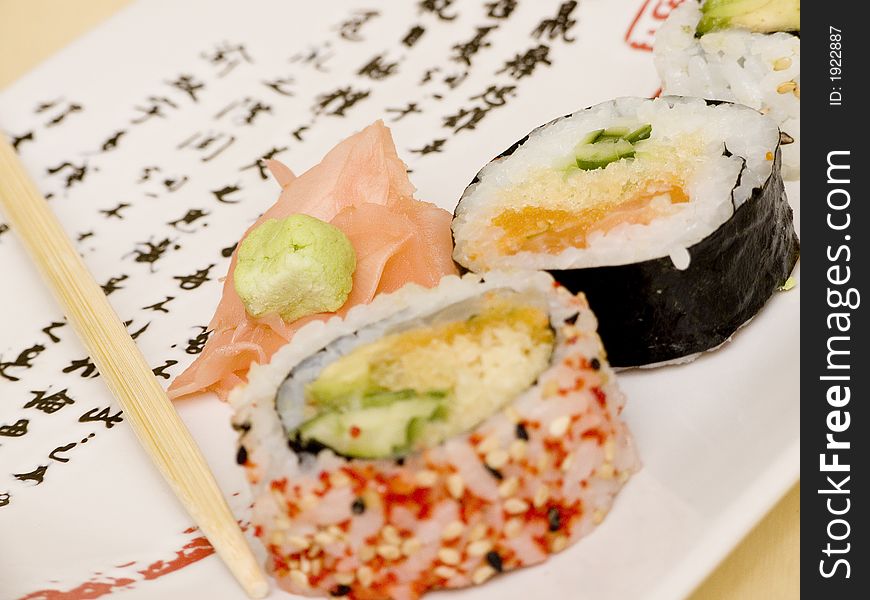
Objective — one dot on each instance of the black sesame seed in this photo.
(242, 427)
(572, 319)
(340, 590)
(494, 472)
(494, 560)
(595, 363)
(554, 518)
(300, 446)
(521, 432)
(358, 506)
(242, 455)
(400, 461)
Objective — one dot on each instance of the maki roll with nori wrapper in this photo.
(433, 438)
(669, 214)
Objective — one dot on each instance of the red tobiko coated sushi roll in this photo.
(433, 439)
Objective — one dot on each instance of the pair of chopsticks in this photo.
(122, 366)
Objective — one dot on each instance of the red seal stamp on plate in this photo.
(652, 13)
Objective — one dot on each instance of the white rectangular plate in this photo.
(718, 437)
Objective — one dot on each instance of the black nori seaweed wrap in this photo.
(651, 312)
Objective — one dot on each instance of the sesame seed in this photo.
(455, 485)
(598, 516)
(482, 574)
(453, 531)
(517, 450)
(623, 476)
(566, 464)
(477, 532)
(785, 88)
(508, 487)
(391, 535)
(496, 459)
(340, 590)
(299, 578)
(339, 479)
(365, 575)
(494, 560)
(313, 551)
(323, 538)
(781, 64)
(559, 543)
(410, 546)
(479, 548)
(512, 414)
(388, 551)
(366, 553)
(299, 542)
(559, 426)
(512, 528)
(316, 566)
(305, 565)
(797, 92)
(358, 506)
(449, 556)
(494, 472)
(445, 572)
(595, 363)
(344, 578)
(335, 531)
(488, 444)
(309, 501)
(542, 494)
(605, 471)
(242, 455)
(277, 538)
(609, 450)
(551, 388)
(426, 478)
(515, 506)
(521, 432)
(543, 462)
(554, 519)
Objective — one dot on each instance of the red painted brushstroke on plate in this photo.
(194, 551)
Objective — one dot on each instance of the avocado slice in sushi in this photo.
(761, 16)
(417, 387)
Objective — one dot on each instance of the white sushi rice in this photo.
(716, 186)
(755, 69)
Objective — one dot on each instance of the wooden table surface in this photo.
(764, 566)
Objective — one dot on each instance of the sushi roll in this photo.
(669, 214)
(433, 439)
(745, 51)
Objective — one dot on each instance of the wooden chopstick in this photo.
(123, 368)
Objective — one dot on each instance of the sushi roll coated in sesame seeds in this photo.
(433, 439)
(670, 215)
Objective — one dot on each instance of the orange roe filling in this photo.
(538, 229)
